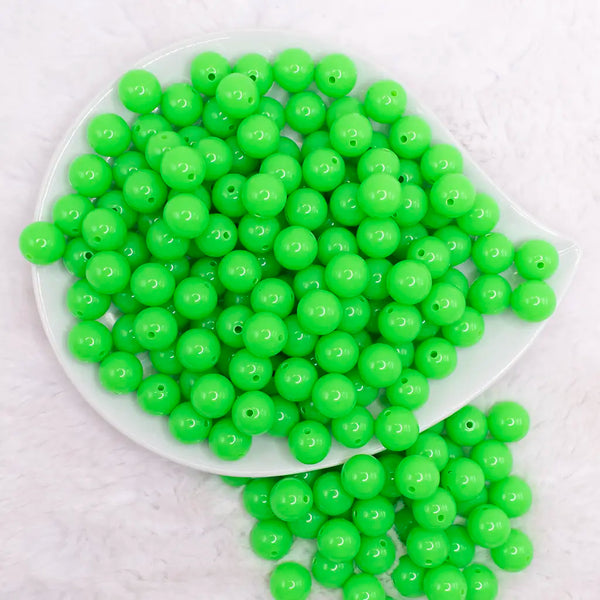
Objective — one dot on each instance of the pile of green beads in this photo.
(407, 520)
(272, 267)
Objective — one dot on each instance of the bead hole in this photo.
(469, 424)
(230, 189)
(353, 142)
(87, 255)
(401, 179)
(440, 518)
(161, 388)
(433, 354)
(435, 306)
(256, 378)
(306, 499)
(97, 238)
(211, 76)
(237, 329)
(334, 160)
(403, 139)
(393, 93)
(540, 265)
(404, 380)
(226, 235)
(151, 334)
(307, 431)
(450, 201)
(421, 253)
(331, 79)
(250, 413)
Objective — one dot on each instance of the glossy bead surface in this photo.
(373, 516)
(346, 275)
(120, 373)
(410, 136)
(219, 238)
(158, 394)
(305, 207)
(378, 161)
(493, 253)
(410, 390)
(515, 554)
(380, 195)
(445, 582)
(431, 445)
(396, 428)
(181, 105)
(458, 242)
(227, 442)
(488, 526)
(108, 134)
(258, 136)
(290, 581)
(42, 243)
(344, 207)
(329, 495)
(385, 101)
(69, 212)
(207, 70)
(212, 395)
(417, 477)
(536, 259)
(435, 358)
(533, 301)
(308, 525)
(305, 112)
(452, 195)
(144, 191)
(187, 426)
(271, 539)
(351, 134)
(463, 478)
(319, 312)
(438, 511)
(363, 476)
(333, 395)
(408, 577)
(323, 169)
(482, 218)
(379, 365)
(354, 429)
(376, 554)
(330, 573)
(378, 238)
(152, 284)
(427, 548)
(90, 175)
(293, 69)
(139, 91)
(363, 586)
(290, 498)
(439, 160)
(467, 426)
(482, 584)
(404, 523)
(494, 458)
(108, 272)
(466, 331)
(144, 128)
(412, 207)
(431, 252)
(286, 416)
(508, 421)
(89, 341)
(155, 328)
(309, 442)
(409, 282)
(512, 495)
(338, 540)
(335, 75)
(255, 498)
(461, 547)
(489, 294)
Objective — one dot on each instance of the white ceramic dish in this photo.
(505, 339)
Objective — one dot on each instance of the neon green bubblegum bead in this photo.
(459, 243)
(207, 70)
(435, 358)
(335, 75)
(413, 206)
(305, 112)
(336, 352)
(439, 160)
(290, 581)
(257, 234)
(379, 365)
(378, 238)
(198, 349)
(445, 582)
(305, 207)
(410, 136)
(227, 195)
(115, 201)
(466, 331)
(152, 284)
(144, 191)
(404, 522)
(343, 106)
(385, 101)
(120, 373)
(533, 301)
(195, 298)
(463, 478)
(338, 540)
(217, 155)
(334, 241)
(433, 446)
(389, 462)
(319, 312)
(239, 271)
(399, 323)
(410, 390)
(108, 272)
(515, 554)
(536, 259)
(310, 278)
(271, 539)
(373, 516)
(351, 134)
(186, 215)
(264, 334)
(334, 395)
(323, 169)
(227, 442)
(183, 168)
(417, 477)
(355, 314)
(309, 442)
(84, 302)
(290, 498)
(212, 395)
(295, 248)
(329, 495)
(378, 161)
(104, 229)
(287, 168)
(380, 195)
(482, 584)
(493, 253)
(432, 252)
(467, 426)
(293, 69)
(330, 573)
(482, 218)
(408, 577)
(427, 548)
(508, 421)
(300, 342)
(258, 136)
(409, 282)
(219, 124)
(253, 413)
(274, 296)
(363, 476)
(108, 134)
(139, 91)
(145, 127)
(158, 394)
(286, 417)
(263, 195)
(249, 372)
(512, 495)
(437, 511)
(488, 526)
(452, 195)
(344, 207)
(237, 95)
(461, 547)
(42, 243)
(89, 341)
(181, 105)
(346, 275)
(489, 294)
(69, 212)
(494, 458)
(90, 175)
(396, 428)
(155, 328)
(363, 585)
(376, 554)
(255, 498)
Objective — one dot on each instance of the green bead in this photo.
(408, 577)
(239, 271)
(139, 91)
(309, 442)
(409, 282)
(305, 207)
(103, 229)
(271, 539)
(533, 301)
(269, 107)
(227, 442)
(459, 243)
(258, 68)
(427, 548)
(76, 256)
(434, 220)
(319, 312)
(299, 341)
(108, 134)
(435, 358)
(305, 112)
(346, 275)
(333, 395)
(363, 476)
(181, 104)
(463, 478)
(512, 495)
(467, 426)
(417, 477)
(412, 207)
(212, 395)
(440, 160)
(248, 372)
(315, 141)
(206, 269)
(90, 175)
(89, 341)
(308, 525)
(255, 498)
(329, 495)
(376, 554)
(428, 330)
(159, 144)
(323, 169)
(431, 252)
(438, 511)
(152, 284)
(461, 547)
(207, 70)
(508, 421)
(126, 302)
(258, 136)
(146, 127)
(217, 156)
(482, 584)
(380, 140)
(488, 526)
(295, 378)
(410, 390)
(290, 581)
(445, 583)
(489, 294)
(466, 331)
(433, 446)
(165, 361)
(237, 95)
(407, 236)
(336, 352)
(290, 498)
(289, 147)
(452, 195)
(379, 365)
(222, 125)
(310, 278)
(330, 573)
(343, 106)
(354, 429)
(187, 426)
(482, 218)
(390, 461)
(286, 416)
(363, 586)
(42, 243)
(120, 373)
(195, 298)
(158, 394)
(253, 413)
(193, 135)
(155, 328)
(227, 195)
(144, 191)
(335, 75)
(493, 253)
(385, 101)
(198, 349)
(219, 238)
(373, 516)
(396, 428)
(404, 523)
(263, 195)
(136, 252)
(344, 207)
(258, 234)
(84, 302)
(288, 169)
(378, 238)
(338, 540)
(183, 168)
(264, 334)
(293, 69)
(455, 278)
(274, 296)
(410, 172)
(69, 212)
(410, 136)
(515, 554)
(351, 135)
(334, 241)
(399, 323)
(536, 259)
(494, 458)
(454, 450)
(355, 314)
(380, 195)
(108, 272)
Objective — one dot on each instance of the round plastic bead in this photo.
(512, 495)
(90, 175)
(89, 341)
(222, 125)
(412, 207)
(488, 526)
(351, 135)
(461, 547)
(305, 207)
(258, 136)
(271, 539)
(274, 296)
(536, 259)
(239, 271)
(158, 394)
(103, 229)
(435, 358)
(108, 134)
(408, 578)
(108, 272)
(346, 275)
(457, 279)
(458, 242)
(255, 498)
(295, 248)
(466, 331)
(258, 234)
(440, 160)
(489, 294)
(493, 253)
(305, 112)
(466, 507)
(344, 207)
(226, 195)
(373, 516)
(308, 526)
(378, 238)
(144, 191)
(515, 554)
(494, 458)
(335, 75)
(195, 298)
(207, 70)
(152, 284)
(286, 417)
(249, 372)
(333, 395)
(343, 106)
(376, 554)
(404, 523)
(146, 127)
(399, 323)
(165, 361)
(290, 498)
(363, 476)
(42, 243)
(433, 446)
(187, 426)
(445, 582)
(378, 161)
(227, 442)
(198, 349)
(120, 373)
(323, 169)
(533, 301)
(410, 390)
(354, 429)
(295, 379)
(438, 511)
(410, 136)
(258, 69)
(508, 421)
(467, 426)
(293, 69)
(217, 157)
(380, 195)
(69, 212)
(431, 252)
(237, 95)
(273, 109)
(407, 236)
(482, 584)
(264, 334)
(463, 478)
(482, 218)
(183, 168)
(290, 581)
(85, 303)
(181, 105)
(330, 573)
(362, 586)
(338, 540)
(452, 195)
(139, 91)
(75, 256)
(409, 282)
(212, 395)
(335, 240)
(309, 442)
(319, 312)
(379, 365)
(396, 428)
(263, 195)
(329, 495)
(355, 314)
(155, 328)
(385, 101)
(417, 477)
(426, 548)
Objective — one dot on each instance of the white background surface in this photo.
(84, 513)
